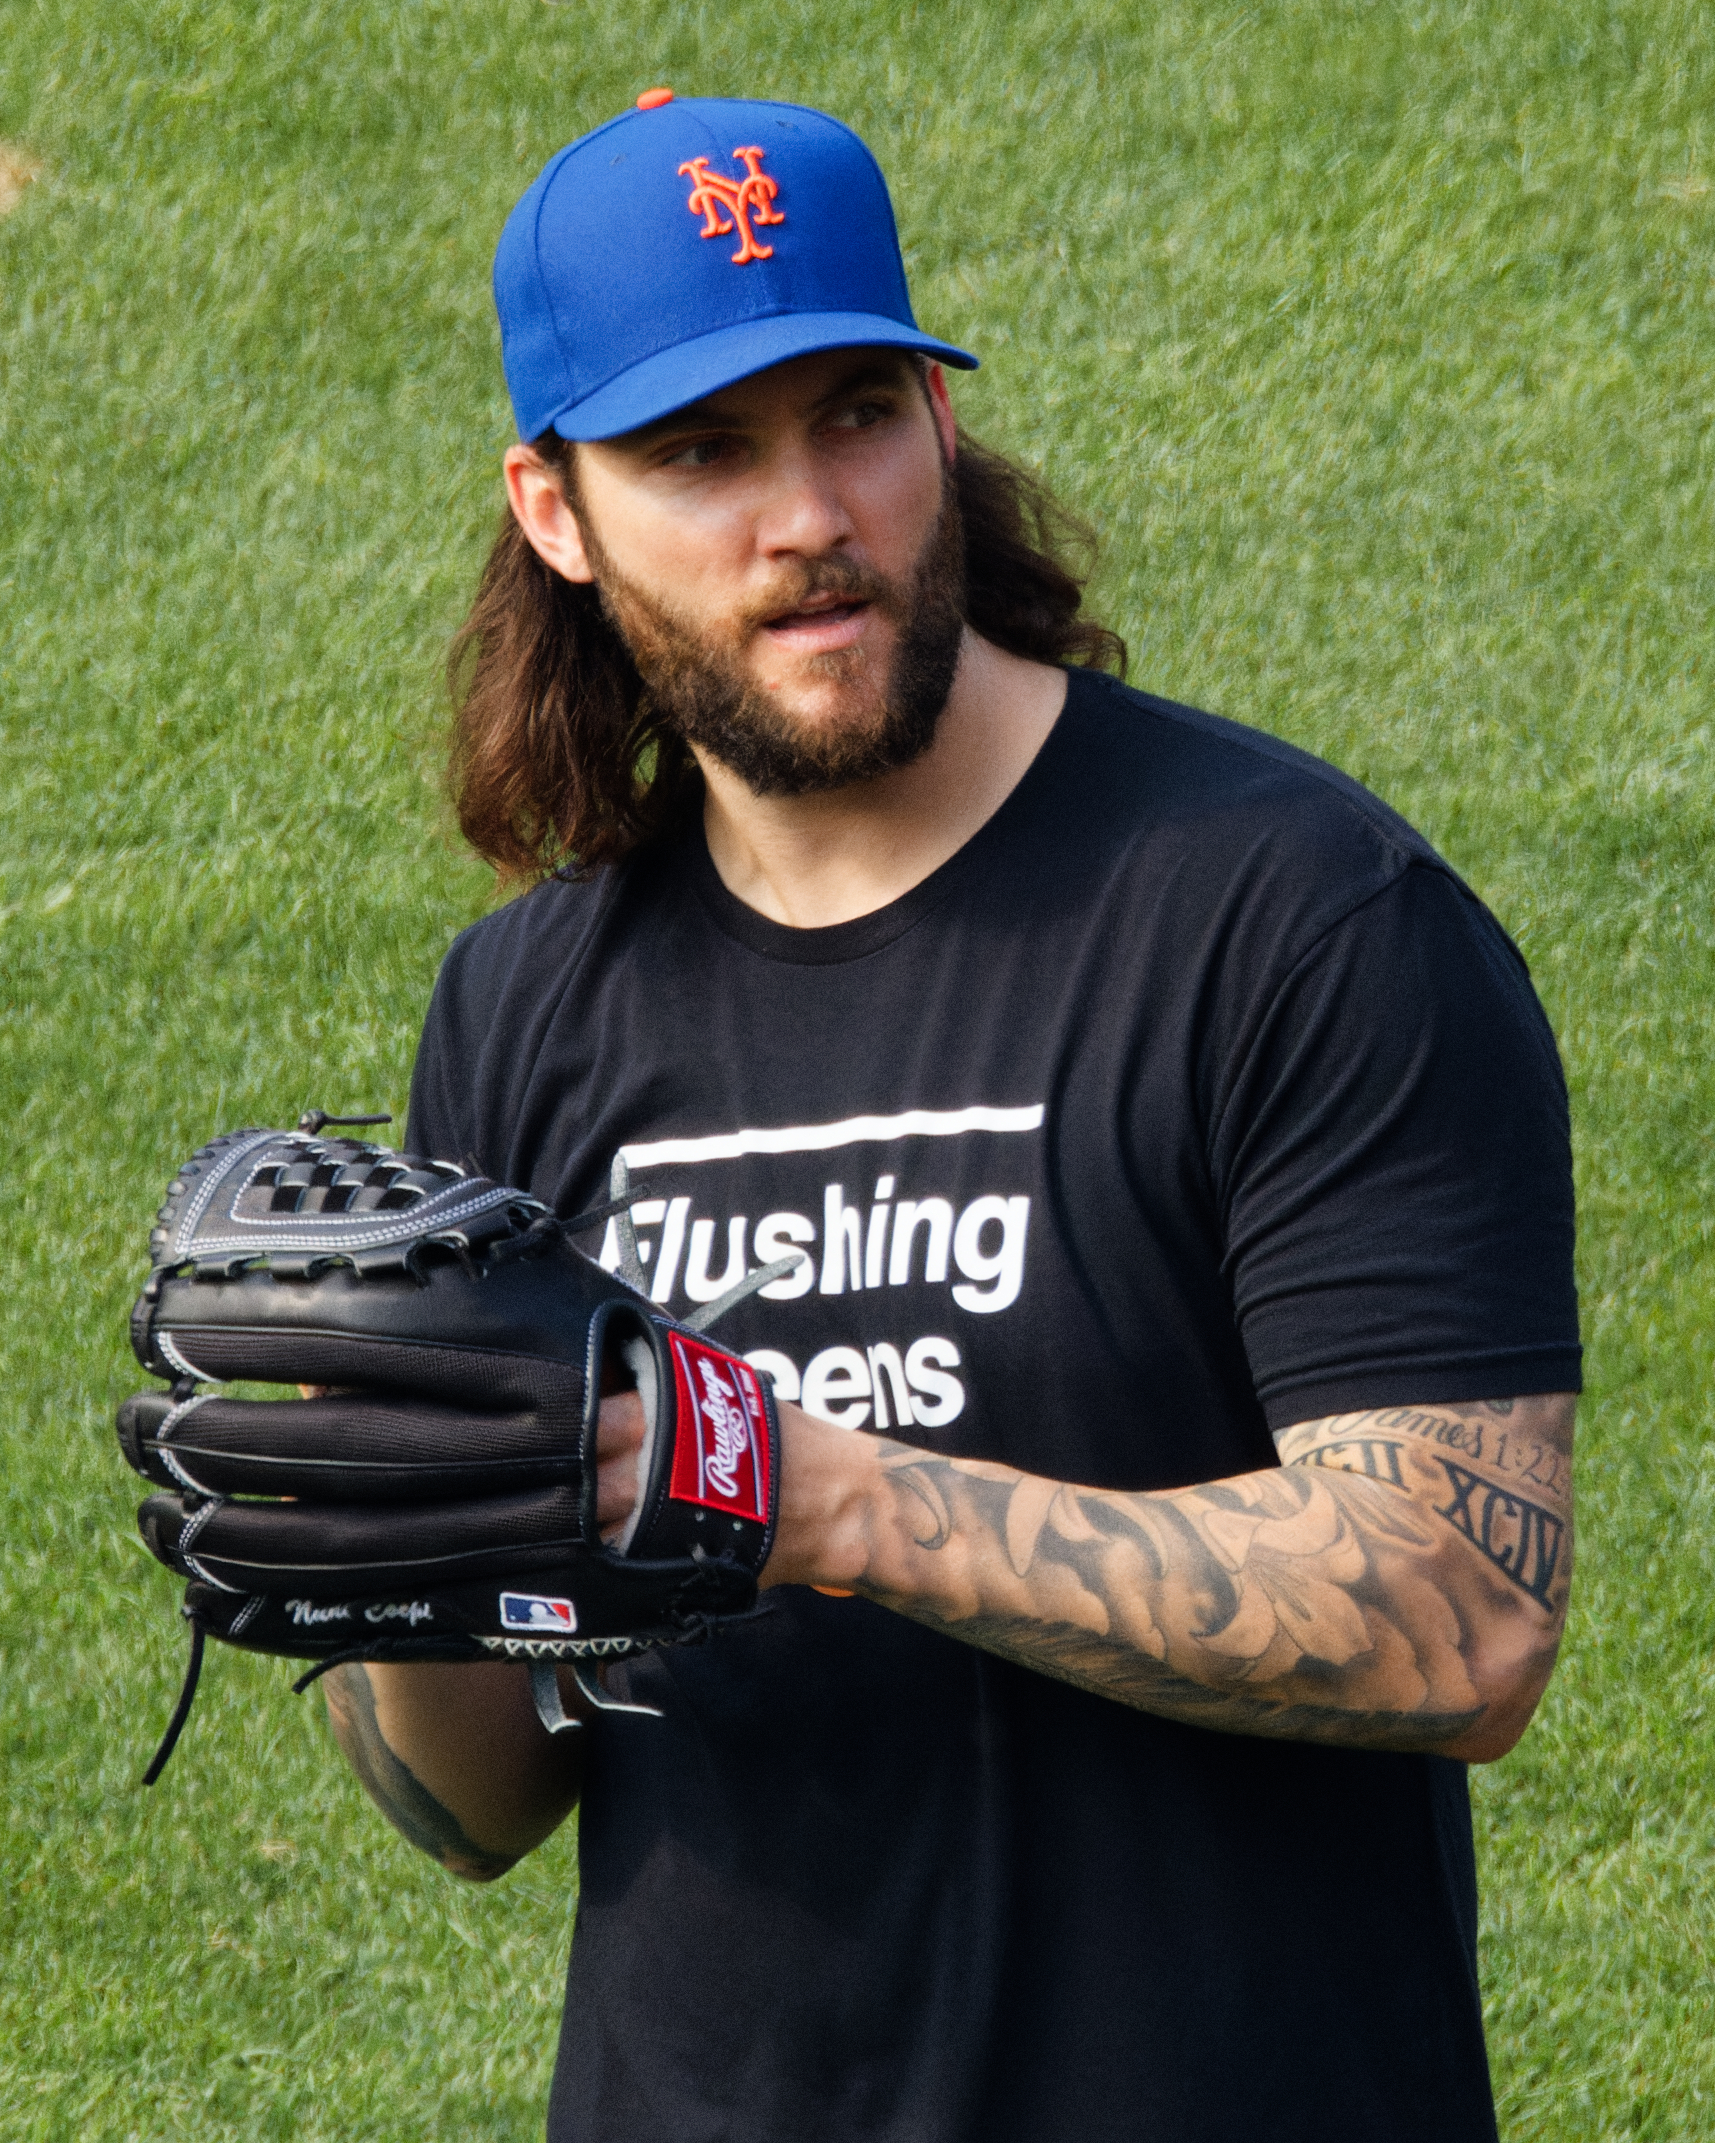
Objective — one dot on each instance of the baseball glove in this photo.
(438, 1501)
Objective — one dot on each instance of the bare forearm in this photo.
(456, 1759)
(1399, 1583)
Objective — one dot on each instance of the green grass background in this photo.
(1378, 339)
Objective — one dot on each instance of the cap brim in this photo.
(661, 384)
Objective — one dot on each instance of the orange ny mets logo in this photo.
(729, 204)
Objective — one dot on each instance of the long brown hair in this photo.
(557, 762)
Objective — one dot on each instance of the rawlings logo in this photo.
(728, 205)
(725, 1417)
(721, 1457)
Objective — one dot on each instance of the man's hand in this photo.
(1400, 1582)
(618, 1440)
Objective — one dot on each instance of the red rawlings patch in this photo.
(721, 1458)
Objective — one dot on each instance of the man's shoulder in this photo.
(1213, 815)
(1171, 766)
(519, 945)
(501, 979)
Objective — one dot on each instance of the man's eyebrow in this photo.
(875, 372)
(695, 416)
(709, 415)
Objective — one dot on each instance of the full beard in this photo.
(698, 690)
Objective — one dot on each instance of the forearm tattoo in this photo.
(1352, 1595)
(400, 1795)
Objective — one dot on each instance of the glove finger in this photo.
(327, 1552)
(348, 1447)
(454, 1340)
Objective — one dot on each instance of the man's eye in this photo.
(700, 454)
(860, 415)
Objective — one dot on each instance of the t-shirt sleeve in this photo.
(434, 1114)
(443, 1107)
(1394, 1162)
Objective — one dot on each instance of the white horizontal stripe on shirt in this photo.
(818, 1138)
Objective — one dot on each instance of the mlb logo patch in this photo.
(533, 1611)
(721, 1460)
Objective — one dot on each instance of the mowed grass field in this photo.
(1378, 339)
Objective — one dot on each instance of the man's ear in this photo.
(941, 409)
(539, 507)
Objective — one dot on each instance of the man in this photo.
(1179, 1161)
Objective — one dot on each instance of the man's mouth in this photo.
(832, 617)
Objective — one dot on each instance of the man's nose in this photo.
(802, 513)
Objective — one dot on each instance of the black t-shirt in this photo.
(1193, 1097)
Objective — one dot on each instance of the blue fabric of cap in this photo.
(614, 305)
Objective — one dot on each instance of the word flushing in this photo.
(893, 1245)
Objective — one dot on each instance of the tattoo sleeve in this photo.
(401, 1797)
(1399, 1582)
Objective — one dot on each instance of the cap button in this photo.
(652, 99)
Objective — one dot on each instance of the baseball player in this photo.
(1174, 1379)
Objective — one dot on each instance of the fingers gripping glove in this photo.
(439, 1501)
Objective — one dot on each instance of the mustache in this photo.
(842, 577)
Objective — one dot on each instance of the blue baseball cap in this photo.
(688, 244)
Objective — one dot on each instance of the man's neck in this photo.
(809, 861)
